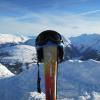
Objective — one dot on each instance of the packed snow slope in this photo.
(77, 80)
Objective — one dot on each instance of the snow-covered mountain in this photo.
(16, 56)
(88, 46)
(85, 46)
(9, 38)
(77, 80)
(86, 41)
(14, 53)
(17, 51)
(69, 50)
(31, 41)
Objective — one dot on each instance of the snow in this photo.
(77, 80)
(86, 41)
(18, 53)
(8, 38)
(31, 41)
(4, 72)
(66, 41)
(34, 96)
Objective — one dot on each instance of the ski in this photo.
(50, 71)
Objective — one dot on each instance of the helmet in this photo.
(49, 37)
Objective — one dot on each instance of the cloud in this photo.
(68, 25)
(90, 12)
(28, 20)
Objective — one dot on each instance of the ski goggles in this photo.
(43, 39)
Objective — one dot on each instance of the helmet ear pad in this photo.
(60, 54)
(40, 55)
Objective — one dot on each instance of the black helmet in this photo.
(49, 36)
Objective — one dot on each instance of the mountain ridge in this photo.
(13, 54)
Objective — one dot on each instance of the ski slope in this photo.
(77, 80)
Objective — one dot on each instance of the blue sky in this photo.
(69, 17)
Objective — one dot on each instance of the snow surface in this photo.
(4, 72)
(34, 96)
(77, 80)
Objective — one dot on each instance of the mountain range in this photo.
(77, 79)
(19, 50)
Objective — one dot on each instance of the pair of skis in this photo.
(50, 71)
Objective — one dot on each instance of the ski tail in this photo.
(50, 72)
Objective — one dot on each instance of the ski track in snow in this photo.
(77, 80)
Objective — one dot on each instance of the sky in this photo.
(68, 17)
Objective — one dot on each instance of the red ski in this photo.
(50, 71)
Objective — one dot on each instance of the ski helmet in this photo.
(49, 36)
